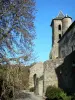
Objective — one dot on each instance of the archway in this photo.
(34, 78)
(35, 83)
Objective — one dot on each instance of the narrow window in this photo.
(59, 27)
(59, 36)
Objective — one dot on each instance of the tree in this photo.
(17, 29)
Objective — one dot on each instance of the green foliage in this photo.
(52, 92)
(64, 96)
(32, 89)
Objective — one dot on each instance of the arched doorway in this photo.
(35, 83)
(34, 78)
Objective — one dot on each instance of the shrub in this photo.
(32, 89)
(56, 93)
(52, 92)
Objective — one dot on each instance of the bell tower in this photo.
(59, 25)
(56, 25)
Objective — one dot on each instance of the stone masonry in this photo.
(50, 77)
(36, 78)
(58, 71)
(59, 26)
(67, 42)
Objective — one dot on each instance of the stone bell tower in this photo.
(59, 25)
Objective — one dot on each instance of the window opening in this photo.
(59, 36)
(59, 27)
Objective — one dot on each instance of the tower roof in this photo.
(66, 16)
(60, 15)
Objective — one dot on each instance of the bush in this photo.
(53, 93)
(32, 89)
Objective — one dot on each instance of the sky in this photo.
(46, 11)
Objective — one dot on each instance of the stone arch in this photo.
(35, 79)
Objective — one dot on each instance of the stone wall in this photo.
(66, 79)
(57, 72)
(55, 38)
(67, 42)
(50, 77)
(60, 73)
(37, 70)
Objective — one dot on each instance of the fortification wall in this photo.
(37, 83)
(66, 79)
(36, 69)
(67, 44)
(50, 77)
(58, 72)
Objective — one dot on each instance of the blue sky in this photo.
(46, 10)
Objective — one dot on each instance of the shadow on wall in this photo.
(66, 74)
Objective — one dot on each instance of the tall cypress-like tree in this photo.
(17, 29)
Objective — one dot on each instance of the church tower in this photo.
(59, 26)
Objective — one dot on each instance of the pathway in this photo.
(23, 95)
